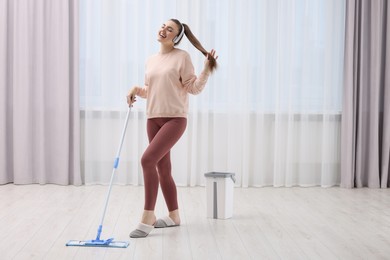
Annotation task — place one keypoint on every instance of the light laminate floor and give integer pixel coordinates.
(269, 223)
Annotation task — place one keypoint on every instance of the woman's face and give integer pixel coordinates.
(167, 32)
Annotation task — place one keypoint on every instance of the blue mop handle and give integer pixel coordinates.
(116, 163)
(100, 228)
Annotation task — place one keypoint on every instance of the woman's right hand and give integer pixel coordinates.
(131, 96)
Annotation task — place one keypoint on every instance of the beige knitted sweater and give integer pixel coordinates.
(169, 78)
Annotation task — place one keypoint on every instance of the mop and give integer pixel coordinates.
(97, 242)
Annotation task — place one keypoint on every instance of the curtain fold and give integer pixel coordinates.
(366, 119)
(271, 113)
(39, 115)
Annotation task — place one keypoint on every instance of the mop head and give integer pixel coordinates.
(98, 243)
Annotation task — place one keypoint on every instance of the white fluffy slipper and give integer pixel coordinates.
(142, 230)
(165, 222)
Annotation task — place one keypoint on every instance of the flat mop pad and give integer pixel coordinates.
(101, 243)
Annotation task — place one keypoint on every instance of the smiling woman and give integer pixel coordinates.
(169, 79)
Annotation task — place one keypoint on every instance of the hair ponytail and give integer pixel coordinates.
(212, 62)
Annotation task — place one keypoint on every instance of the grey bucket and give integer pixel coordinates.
(215, 208)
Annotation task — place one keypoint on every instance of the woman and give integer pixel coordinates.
(169, 78)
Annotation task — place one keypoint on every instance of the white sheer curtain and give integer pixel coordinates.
(270, 114)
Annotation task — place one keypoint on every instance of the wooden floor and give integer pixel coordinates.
(268, 223)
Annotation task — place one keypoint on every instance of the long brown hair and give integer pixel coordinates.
(212, 62)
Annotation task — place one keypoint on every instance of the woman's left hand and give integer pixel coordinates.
(211, 57)
(212, 54)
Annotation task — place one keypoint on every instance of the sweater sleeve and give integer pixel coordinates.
(191, 83)
(142, 92)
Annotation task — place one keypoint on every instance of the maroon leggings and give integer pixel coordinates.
(163, 133)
